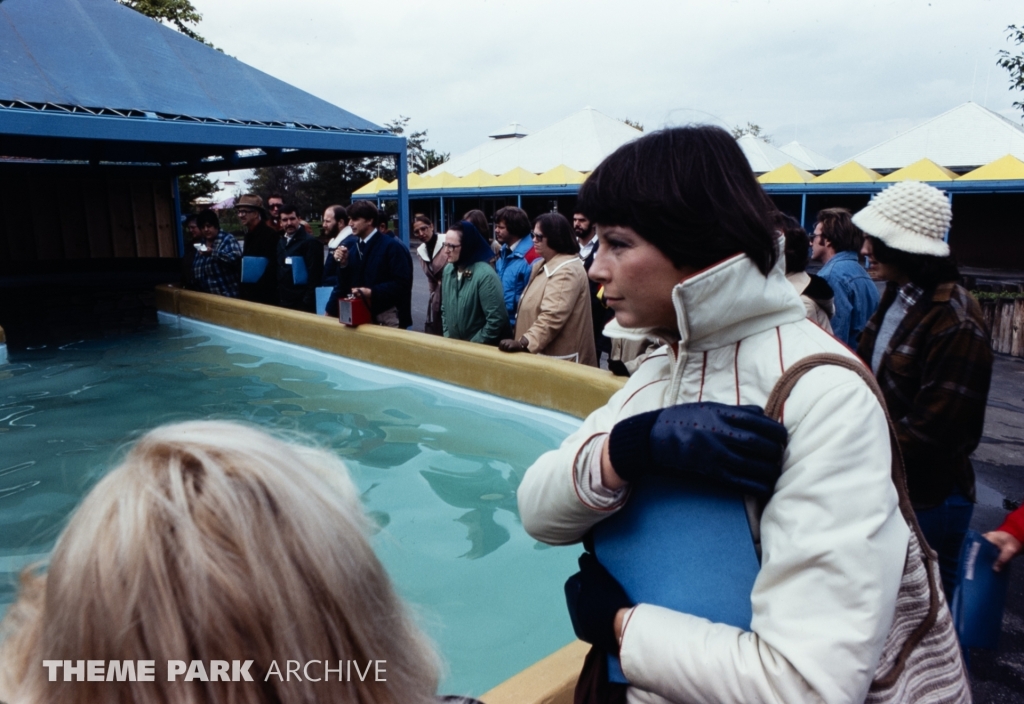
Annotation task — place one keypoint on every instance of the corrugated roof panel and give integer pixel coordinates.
(372, 187)
(561, 175)
(1007, 168)
(516, 177)
(850, 172)
(788, 173)
(101, 54)
(922, 170)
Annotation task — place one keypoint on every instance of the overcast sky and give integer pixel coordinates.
(837, 75)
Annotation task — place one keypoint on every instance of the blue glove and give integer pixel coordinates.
(594, 597)
(733, 446)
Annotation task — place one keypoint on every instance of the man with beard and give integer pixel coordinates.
(259, 251)
(586, 235)
(300, 263)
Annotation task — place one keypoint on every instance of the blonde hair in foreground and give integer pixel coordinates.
(215, 541)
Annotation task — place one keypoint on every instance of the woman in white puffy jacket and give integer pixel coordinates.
(687, 252)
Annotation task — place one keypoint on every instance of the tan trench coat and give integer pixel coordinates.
(433, 264)
(554, 312)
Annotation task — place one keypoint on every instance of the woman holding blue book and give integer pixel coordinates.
(681, 487)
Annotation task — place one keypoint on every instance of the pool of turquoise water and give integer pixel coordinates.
(438, 467)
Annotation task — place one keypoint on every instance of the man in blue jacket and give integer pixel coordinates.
(836, 244)
(375, 267)
(511, 229)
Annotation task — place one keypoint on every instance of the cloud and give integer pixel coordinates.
(839, 76)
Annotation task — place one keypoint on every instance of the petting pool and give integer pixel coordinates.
(438, 467)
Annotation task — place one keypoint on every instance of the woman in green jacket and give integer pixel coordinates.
(472, 302)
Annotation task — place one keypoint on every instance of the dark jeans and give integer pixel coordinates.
(944, 528)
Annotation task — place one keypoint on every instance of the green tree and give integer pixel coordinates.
(290, 181)
(332, 182)
(178, 13)
(194, 186)
(421, 159)
(632, 123)
(753, 130)
(1014, 64)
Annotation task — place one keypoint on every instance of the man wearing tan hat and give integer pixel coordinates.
(930, 350)
(259, 251)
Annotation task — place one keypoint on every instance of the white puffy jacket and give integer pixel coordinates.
(833, 540)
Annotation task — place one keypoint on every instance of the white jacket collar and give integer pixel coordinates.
(336, 240)
(429, 256)
(726, 303)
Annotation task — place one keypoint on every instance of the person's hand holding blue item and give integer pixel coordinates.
(735, 446)
(594, 597)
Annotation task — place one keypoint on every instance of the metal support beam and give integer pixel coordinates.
(803, 210)
(403, 197)
(177, 216)
(519, 200)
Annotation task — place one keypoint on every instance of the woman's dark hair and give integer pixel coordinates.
(208, 217)
(838, 228)
(690, 192)
(517, 222)
(479, 221)
(558, 233)
(923, 270)
(420, 217)
(797, 241)
(474, 247)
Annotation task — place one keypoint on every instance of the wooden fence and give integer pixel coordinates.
(1005, 318)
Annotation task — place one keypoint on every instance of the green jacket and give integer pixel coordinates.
(473, 308)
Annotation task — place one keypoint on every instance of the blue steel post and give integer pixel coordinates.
(519, 201)
(403, 195)
(803, 210)
(177, 216)
(443, 227)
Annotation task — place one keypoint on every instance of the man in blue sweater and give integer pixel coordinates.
(511, 227)
(836, 244)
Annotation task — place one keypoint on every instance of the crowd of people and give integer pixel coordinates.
(841, 420)
(523, 290)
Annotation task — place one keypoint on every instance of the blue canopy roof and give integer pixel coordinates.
(136, 91)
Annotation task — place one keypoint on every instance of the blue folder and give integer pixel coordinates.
(299, 275)
(253, 268)
(684, 546)
(323, 294)
(980, 594)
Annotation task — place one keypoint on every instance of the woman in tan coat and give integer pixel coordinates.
(554, 313)
(432, 257)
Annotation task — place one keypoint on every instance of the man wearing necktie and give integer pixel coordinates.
(375, 267)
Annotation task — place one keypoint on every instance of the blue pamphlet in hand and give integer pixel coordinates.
(253, 268)
(980, 593)
(684, 546)
(299, 275)
(323, 295)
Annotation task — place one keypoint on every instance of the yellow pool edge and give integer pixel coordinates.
(539, 381)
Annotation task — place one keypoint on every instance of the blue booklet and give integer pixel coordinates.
(253, 268)
(980, 594)
(323, 294)
(684, 546)
(299, 275)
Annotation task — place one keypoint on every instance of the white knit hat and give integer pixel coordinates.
(909, 216)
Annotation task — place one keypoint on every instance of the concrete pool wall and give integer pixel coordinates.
(538, 381)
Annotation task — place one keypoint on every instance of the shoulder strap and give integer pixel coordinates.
(773, 409)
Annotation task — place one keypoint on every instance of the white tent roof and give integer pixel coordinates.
(763, 157)
(817, 161)
(580, 141)
(965, 137)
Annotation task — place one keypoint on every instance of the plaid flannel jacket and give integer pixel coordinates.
(220, 271)
(935, 376)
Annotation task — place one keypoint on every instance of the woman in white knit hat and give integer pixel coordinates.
(929, 348)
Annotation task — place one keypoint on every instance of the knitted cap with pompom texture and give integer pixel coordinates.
(909, 216)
